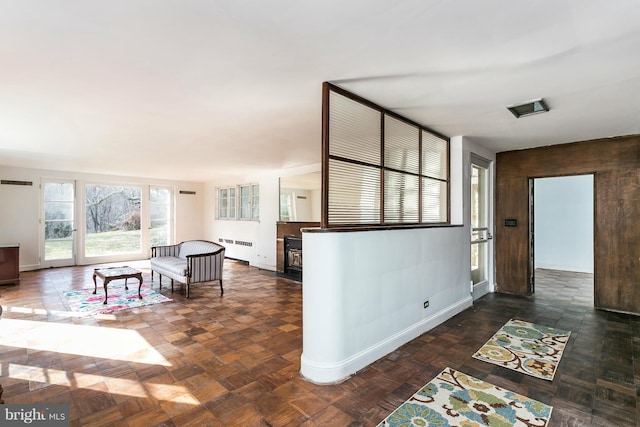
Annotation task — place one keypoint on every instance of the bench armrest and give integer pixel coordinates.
(205, 267)
(168, 250)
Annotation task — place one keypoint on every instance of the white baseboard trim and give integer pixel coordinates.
(30, 267)
(332, 373)
(481, 289)
(262, 266)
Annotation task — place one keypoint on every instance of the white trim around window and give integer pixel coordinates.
(240, 202)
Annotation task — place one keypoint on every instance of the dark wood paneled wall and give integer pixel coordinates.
(615, 163)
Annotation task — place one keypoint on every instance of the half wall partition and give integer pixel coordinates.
(386, 265)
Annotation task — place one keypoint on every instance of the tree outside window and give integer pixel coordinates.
(112, 219)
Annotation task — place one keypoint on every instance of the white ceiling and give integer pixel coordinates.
(196, 90)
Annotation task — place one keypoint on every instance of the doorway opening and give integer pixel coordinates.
(562, 233)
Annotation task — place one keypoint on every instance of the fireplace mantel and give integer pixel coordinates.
(289, 229)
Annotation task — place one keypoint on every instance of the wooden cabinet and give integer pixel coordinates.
(9, 264)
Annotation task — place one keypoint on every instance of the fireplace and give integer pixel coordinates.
(293, 257)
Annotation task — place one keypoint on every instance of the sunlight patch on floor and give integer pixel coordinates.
(92, 341)
(25, 310)
(42, 377)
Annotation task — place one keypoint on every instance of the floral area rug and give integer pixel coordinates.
(456, 399)
(84, 301)
(526, 347)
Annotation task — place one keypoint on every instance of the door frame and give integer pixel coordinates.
(65, 262)
(488, 285)
(532, 240)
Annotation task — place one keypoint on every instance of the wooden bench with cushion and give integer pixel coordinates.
(189, 262)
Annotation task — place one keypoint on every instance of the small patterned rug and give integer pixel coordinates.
(83, 301)
(526, 347)
(456, 399)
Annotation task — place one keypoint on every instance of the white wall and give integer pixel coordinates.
(20, 208)
(363, 293)
(189, 211)
(563, 223)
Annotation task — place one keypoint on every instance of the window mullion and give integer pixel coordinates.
(420, 176)
(382, 136)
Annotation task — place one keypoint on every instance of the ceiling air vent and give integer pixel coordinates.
(535, 106)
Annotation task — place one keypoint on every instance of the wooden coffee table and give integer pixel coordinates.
(115, 273)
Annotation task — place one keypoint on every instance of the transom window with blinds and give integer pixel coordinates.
(380, 168)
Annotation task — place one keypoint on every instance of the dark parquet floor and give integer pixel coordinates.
(235, 360)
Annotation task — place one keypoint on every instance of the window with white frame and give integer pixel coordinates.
(161, 208)
(255, 202)
(227, 203)
(249, 202)
(240, 202)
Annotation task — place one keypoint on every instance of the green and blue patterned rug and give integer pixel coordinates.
(85, 302)
(456, 399)
(526, 347)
